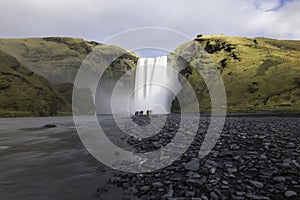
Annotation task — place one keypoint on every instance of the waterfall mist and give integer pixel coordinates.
(155, 85)
(151, 86)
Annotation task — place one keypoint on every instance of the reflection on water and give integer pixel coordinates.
(47, 163)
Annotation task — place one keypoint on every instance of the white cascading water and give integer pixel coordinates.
(155, 85)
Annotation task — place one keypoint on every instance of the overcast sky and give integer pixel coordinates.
(99, 19)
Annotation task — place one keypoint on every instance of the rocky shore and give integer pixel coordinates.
(255, 158)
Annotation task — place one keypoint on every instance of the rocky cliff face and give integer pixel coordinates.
(259, 74)
(23, 93)
(56, 61)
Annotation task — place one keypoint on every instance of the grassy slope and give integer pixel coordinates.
(58, 59)
(23, 93)
(263, 78)
(266, 77)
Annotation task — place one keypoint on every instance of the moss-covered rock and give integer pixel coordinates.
(23, 93)
(58, 59)
(261, 76)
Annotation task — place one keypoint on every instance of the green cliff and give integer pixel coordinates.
(259, 74)
(23, 93)
(54, 62)
(58, 58)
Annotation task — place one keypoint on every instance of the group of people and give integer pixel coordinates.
(148, 112)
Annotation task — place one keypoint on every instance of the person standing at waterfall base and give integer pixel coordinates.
(148, 112)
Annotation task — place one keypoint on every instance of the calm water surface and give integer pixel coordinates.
(47, 163)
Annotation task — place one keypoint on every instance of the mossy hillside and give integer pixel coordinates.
(116, 60)
(23, 93)
(65, 90)
(58, 58)
(256, 78)
(263, 77)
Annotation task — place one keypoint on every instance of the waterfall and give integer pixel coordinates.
(155, 85)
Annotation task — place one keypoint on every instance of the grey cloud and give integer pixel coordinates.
(99, 19)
